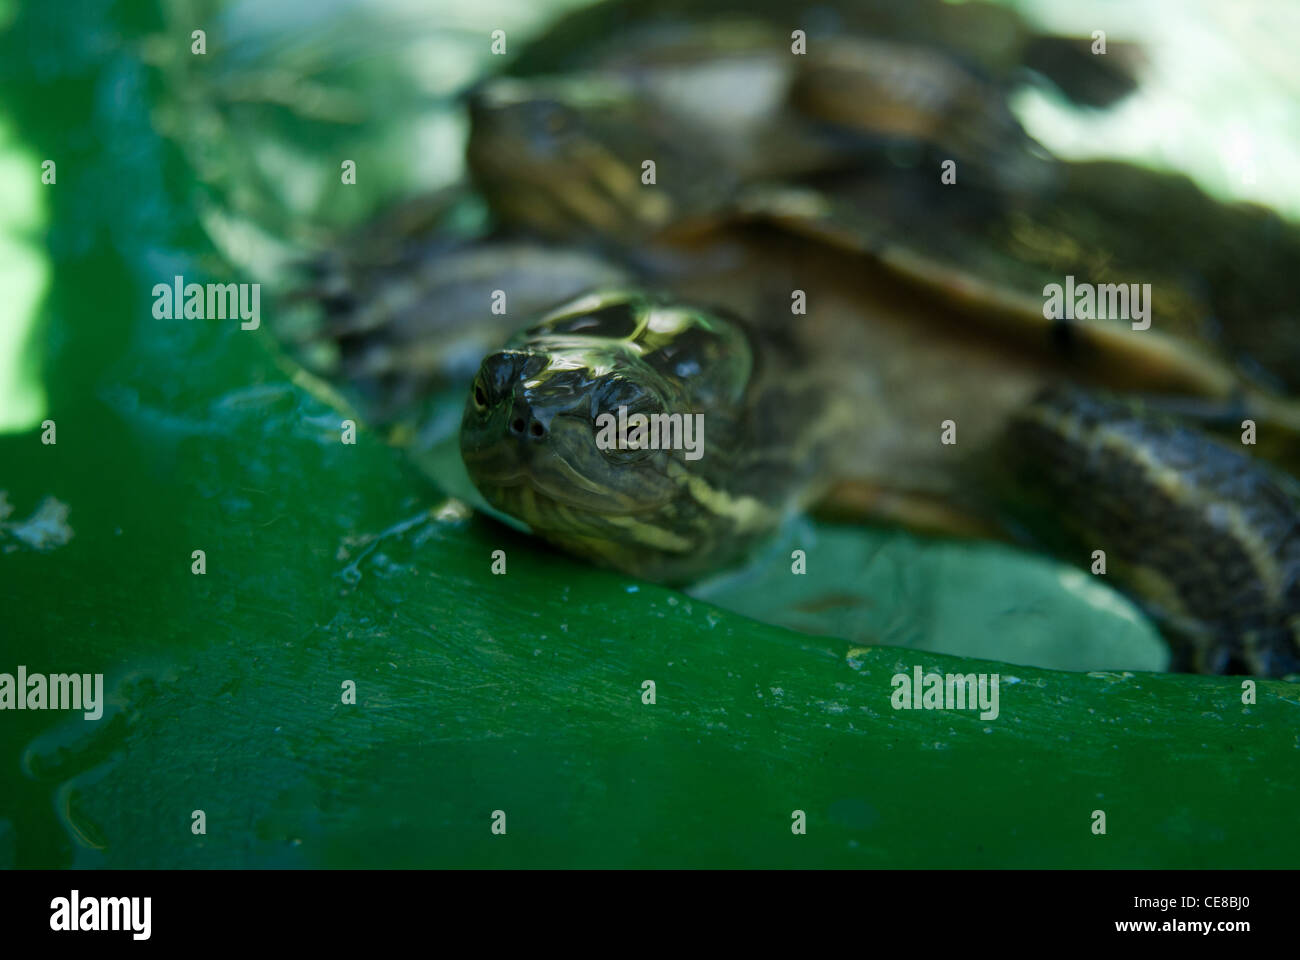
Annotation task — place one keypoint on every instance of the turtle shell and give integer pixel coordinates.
(934, 181)
(988, 37)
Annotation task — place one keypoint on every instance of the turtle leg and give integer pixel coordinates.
(1204, 536)
(389, 324)
(1271, 422)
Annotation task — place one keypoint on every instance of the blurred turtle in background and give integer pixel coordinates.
(843, 325)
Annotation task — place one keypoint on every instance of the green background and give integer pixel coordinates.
(328, 562)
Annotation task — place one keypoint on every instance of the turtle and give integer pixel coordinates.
(990, 38)
(881, 76)
(653, 89)
(828, 333)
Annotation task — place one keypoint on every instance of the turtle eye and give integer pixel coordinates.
(619, 398)
(556, 120)
(627, 449)
(499, 372)
(627, 455)
(616, 391)
(551, 123)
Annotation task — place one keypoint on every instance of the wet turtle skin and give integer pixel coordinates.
(1205, 535)
(924, 310)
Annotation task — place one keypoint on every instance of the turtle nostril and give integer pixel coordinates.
(517, 425)
(536, 429)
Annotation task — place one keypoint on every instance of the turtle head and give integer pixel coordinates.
(566, 155)
(603, 425)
